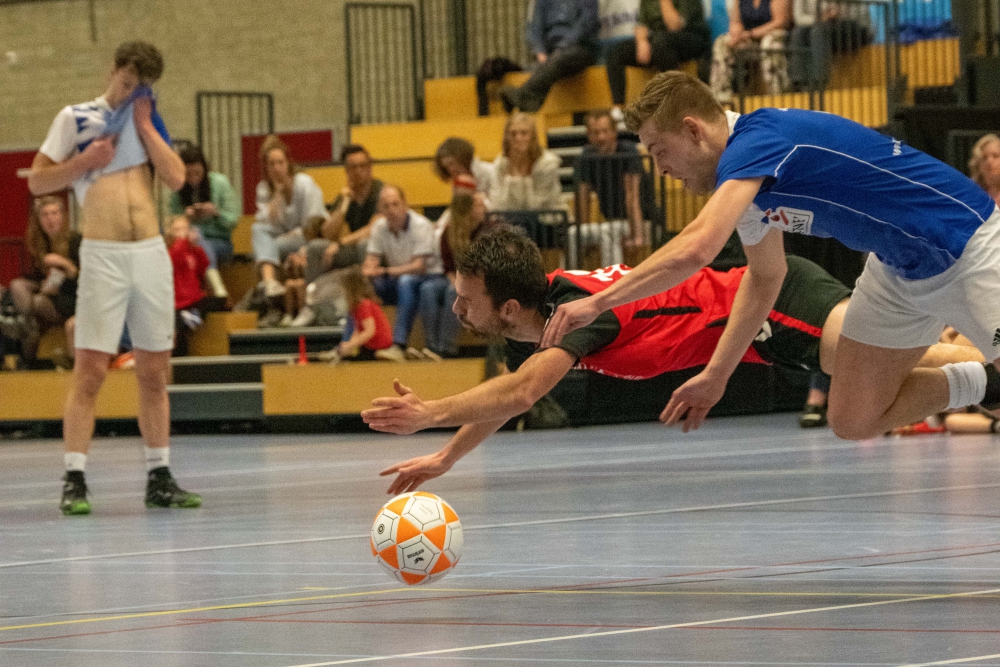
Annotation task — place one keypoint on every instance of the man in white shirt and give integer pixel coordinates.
(103, 150)
(400, 255)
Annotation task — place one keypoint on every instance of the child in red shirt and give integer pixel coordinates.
(367, 334)
(190, 262)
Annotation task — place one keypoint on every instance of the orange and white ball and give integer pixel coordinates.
(417, 537)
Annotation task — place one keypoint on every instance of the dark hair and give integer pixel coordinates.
(146, 58)
(510, 265)
(460, 149)
(351, 149)
(203, 191)
(597, 114)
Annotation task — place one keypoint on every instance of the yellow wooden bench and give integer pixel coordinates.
(212, 337)
(420, 139)
(40, 395)
(350, 387)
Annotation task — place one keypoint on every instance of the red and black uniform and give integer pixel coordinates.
(680, 328)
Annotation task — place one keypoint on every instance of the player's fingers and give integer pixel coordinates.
(553, 329)
(391, 470)
(694, 419)
(677, 413)
(387, 402)
(401, 388)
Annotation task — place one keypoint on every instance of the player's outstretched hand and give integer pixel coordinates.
(568, 317)
(411, 474)
(692, 400)
(403, 415)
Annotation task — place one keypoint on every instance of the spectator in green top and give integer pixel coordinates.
(209, 202)
(667, 33)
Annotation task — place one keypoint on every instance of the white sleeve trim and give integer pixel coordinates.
(750, 228)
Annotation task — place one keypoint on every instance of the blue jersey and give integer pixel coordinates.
(829, 176)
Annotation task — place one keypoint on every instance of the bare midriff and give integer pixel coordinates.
(119, 207)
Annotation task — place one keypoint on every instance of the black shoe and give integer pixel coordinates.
(991, 401)
(162, 491)
(74, 495)
(813, 416)
(508, 97)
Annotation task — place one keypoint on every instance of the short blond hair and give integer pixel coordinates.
(976, 160)
(668, 98)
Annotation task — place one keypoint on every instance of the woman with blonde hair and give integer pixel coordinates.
(287, 200)
(526, 176)
(46, 295)
(984, 165)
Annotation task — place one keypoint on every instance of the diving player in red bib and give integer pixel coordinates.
(503, 291)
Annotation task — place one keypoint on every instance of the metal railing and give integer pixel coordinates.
(223, 117)
(385, 68)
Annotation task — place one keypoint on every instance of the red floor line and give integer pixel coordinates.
(96, 633)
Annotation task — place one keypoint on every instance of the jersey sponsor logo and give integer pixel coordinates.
(794, 220)
(996, 338)
(605, 275)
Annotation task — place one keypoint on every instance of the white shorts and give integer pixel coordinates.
(125, 282)
(893, 312)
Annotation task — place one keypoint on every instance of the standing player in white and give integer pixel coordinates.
(104, 150)
(934, 236)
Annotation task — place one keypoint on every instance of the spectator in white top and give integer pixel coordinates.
(400, 257)
(287, 200)
(526, 176)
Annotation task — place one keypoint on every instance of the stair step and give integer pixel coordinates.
(283, 340)
(217, 401)
(226, 369)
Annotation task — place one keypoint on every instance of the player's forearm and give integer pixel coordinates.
(669, 266)
(753, 303)
(498, 399)
(43, 180)
(168, 164)
(468, 438)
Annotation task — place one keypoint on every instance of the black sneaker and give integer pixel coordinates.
(74, 495)
(813, 416)
(991, 401)
(162, 491)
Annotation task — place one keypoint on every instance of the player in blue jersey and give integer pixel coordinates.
(933, 235)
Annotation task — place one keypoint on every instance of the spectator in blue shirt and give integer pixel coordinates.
(563, 36)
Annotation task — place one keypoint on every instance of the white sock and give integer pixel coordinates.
(157, 457)
(75, 461)
(966, 383)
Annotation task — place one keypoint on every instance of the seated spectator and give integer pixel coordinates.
(466, 220)
(617, 23)
(526, 177)
(339, 241)
(563, 36)
(400, 255)
(457, 157)
(190, 262)
(287, 200)
(209, 202)
(612, 169)
(984, 166)
(819, 34)
(367, 335)
(753, 24)
(667, 34)
(46, 296)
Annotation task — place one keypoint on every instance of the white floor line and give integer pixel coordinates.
(628, 631)
(955, 661)
(517, 524)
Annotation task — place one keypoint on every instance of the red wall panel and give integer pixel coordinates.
(15, 203)
(306, 147)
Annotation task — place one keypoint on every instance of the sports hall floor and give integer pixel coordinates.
(750, 542)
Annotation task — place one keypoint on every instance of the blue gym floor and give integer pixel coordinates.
(749, 542)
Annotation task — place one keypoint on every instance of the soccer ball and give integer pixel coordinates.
(417, 537)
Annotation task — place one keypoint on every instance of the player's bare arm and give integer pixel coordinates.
(411, 474)
(758, 290)
(501, 398)
(168, 164)
(691, 250)
(47, 175)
